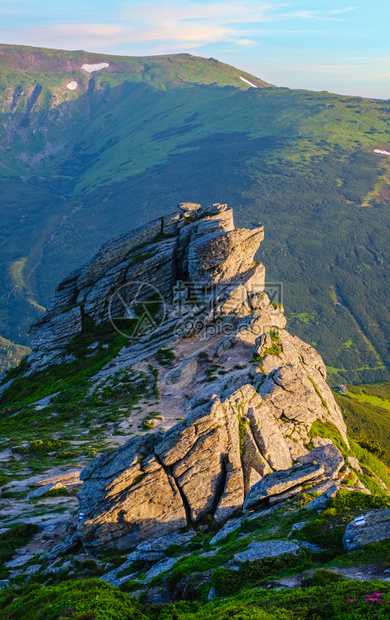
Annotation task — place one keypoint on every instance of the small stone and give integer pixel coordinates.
(309, 546)
(354, 463)
(159, 568)
(20, 560)
(65, 546)
(212, 594)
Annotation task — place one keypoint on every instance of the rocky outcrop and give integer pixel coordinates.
(195, 245)
(238, 394)
(203, 465)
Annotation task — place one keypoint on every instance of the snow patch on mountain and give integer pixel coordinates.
(247, 82)
(97, 67)
(72, 85)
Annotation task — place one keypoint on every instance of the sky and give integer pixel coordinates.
(340, 46)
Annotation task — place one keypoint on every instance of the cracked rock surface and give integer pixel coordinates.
(245, 400)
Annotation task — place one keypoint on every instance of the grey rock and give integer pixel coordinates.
(230, 526)
(318, 503)
(320, 441)
(354, 463)
(146, 556)
(4, 583)
(44, 402)
(52, 334)
(296, 386)
(298, 526)
(209, 554)
(5, 386)
(376, 528)
(282, 497)
(124, 579)
(111, 576)
(160, 568)
(31, 570)
(242, 428)
(310, 546)
(212, 594)
(144, 493)
(188, 206)
(280, 482)
(66, 546)
(162, 543)
(67, 479)
(19, 561)
(267, 549)
(217, 254)
(269, 437)
(209, 248)
(329, 456)
(182, 373)
(41, 491)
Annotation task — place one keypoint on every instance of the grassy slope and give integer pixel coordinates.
(149, 132)
(366, 409)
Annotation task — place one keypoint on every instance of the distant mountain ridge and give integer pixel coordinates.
(84, 163)
(167, 67)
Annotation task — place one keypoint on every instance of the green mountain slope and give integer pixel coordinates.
(80, 166)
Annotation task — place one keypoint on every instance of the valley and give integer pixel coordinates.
(80, 166)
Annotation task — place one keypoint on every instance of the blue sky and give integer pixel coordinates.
(336, 45)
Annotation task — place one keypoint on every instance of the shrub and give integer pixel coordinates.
(227, 582)
(89, 599)
(322, 577)
(147, 426)
(57, 492)
(165, 356)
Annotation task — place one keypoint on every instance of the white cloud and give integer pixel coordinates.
(346, 10)
(246, 42)
(175, 25)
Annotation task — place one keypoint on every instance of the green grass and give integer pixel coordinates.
(92, 599)
(74, 409)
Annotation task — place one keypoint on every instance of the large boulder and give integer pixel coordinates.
(371, 528)
(321, 465)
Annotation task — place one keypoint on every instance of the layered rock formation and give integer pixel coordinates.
(194, 245)
(246, 391)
